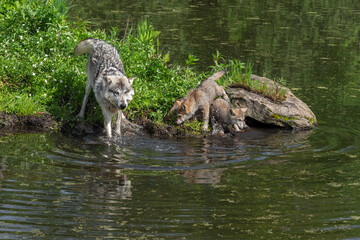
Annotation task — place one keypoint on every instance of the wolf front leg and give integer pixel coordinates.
(107, 122)
(119, 122)
(206, 117)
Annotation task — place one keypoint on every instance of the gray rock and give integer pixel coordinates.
(292, 113)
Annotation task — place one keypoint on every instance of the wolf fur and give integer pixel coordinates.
(201, 98)
(223, 116)
(106, 75)
(172, 114)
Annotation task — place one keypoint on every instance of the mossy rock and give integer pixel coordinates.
(292, 113)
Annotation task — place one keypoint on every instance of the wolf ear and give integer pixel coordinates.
(107, 79)
(232, 112)
(131, 80)
(243, 110)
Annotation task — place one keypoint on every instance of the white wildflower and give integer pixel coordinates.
(21, 37)
(33, 74)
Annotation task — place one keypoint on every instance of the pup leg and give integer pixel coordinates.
(206, 117)
(216, 127)
(87, 92)
(118, 122)
(225, 96)
(107, 122)
(236, 127)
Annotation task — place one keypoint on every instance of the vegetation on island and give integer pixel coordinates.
(40, 74)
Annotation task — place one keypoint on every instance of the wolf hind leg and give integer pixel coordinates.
(87, 92)
(225, 96)
(206, 117)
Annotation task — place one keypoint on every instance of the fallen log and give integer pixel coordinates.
(290, 113)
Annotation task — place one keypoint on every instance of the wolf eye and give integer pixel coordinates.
(115, 93)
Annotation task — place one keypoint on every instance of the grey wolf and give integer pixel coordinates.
(223, 117)
(200, 98)
(106, 75)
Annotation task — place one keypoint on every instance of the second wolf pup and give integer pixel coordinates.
(223, 117)
(200, 98)
(106, 75)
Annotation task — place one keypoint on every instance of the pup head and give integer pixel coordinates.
(119, 90)
(237, 117)
(184, 113)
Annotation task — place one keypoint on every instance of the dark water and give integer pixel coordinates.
(262, 184)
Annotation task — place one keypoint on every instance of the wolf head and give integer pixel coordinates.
(119, 90)
(185, 112)
(237, 117)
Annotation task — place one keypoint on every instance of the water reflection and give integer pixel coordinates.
(60, 186)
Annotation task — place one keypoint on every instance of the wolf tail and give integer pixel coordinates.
(217, 75)
(85, 46)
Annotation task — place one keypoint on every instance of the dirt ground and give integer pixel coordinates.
(12, 123)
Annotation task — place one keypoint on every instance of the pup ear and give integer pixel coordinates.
(131, 80)
(232, 112)
(108, 79)
(243, 110)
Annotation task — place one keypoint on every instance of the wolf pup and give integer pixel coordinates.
(200, 98)
(106, 75)
(223, 116)
(172, 114)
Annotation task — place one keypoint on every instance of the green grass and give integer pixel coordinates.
(20, 104)
(239, 75)
(39, 72)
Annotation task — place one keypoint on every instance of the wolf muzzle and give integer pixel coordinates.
(122, 106)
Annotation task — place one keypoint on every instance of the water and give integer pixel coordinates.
(267, 184)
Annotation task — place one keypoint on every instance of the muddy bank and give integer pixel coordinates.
(12, 123)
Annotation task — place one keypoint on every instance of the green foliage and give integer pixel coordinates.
(194, 126)
(21, 104)
(239, 75)
(36, 55)
(39, 72)
(191, 60)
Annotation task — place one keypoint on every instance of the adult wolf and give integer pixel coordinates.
(106, 75)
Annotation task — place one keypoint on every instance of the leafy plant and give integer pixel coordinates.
(191, 60)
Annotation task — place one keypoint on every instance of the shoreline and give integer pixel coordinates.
(11, 123)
